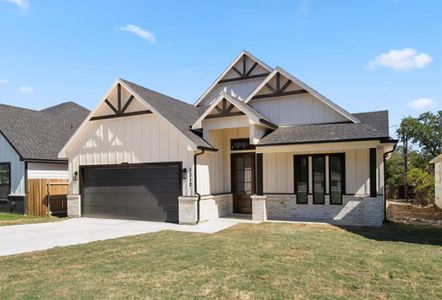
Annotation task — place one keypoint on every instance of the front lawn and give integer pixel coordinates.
(246, 261)
(15, 219)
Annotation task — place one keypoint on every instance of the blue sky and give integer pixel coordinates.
(363, 55)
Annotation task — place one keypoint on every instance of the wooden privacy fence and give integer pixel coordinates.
(46, 197)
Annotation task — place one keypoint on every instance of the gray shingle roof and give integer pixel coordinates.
(374, 125)
(40, 134)
(182, 115)
(376, 119)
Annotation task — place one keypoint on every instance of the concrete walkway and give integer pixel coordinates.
(17, 239)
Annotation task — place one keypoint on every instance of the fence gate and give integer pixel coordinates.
(46, 197)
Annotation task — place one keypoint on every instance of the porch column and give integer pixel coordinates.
(259, 174)
(259, 210)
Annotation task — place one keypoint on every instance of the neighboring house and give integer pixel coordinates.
(29, 144)
(258, 141)
(437, 161)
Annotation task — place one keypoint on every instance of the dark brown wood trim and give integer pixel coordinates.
(127, 103)
(373, 191)
(111, 106)
(259, 174)
(244, 78)
(135, 113)
(279, 94)
(224, 115)
(119, 96)
(251, 69)
(286, 85)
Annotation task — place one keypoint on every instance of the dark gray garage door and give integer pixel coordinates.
(133, 191)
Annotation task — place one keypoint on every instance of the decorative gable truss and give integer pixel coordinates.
(279, 86)
(238, 80)
(281, 83)
(245, 68)
(119, 103)
(226, 106)
(224, 109)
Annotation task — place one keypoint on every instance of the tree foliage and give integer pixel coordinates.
(423, 183)
(424, 131)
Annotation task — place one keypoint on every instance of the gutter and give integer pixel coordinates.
(384, 158)
(195, 172)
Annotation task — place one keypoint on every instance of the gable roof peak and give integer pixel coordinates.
(230, 67)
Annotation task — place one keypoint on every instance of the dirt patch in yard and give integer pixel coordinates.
(410, 213)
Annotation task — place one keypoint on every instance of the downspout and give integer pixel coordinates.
(203, 150)
(384, 158)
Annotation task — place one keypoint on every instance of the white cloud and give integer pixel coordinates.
(144, 34)
(26, 90)
(22, 4)
(401, 59)
(422, 104)
(4, 81)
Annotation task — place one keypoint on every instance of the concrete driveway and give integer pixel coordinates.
(17, 239)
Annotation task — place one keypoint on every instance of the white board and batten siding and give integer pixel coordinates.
(47, 171)
(136, 139)
(9, 155)
(296, 110)
(238, 90)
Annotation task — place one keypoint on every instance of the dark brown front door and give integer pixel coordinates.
(243, 181)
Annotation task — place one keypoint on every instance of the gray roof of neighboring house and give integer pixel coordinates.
(40, 135)
(374, 125)
(182, 115)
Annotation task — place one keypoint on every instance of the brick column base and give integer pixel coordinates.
(259, 211)
(74, 206)
(187, 210)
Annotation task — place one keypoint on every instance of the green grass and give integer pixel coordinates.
(15, 219)
(247, 261)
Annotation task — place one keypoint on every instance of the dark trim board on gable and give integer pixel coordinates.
(244, 73)
(120, 111)
(120, 115)
(279, 94)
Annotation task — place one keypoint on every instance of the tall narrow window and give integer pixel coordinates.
(318, 163)
(5, 181)
(301, 179)
(337, 178)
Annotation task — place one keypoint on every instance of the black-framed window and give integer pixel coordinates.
(301, 179)
(5, 180)
(336, 177)
(318, 170)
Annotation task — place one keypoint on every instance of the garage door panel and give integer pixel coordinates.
(147, 191)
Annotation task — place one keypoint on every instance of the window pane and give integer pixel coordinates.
(4, 174)
(301, 179)
(336, 179)
(318, 179)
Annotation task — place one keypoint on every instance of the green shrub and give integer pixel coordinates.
(423, 183)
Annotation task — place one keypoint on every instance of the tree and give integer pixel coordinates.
(424, 131)
(423, 184)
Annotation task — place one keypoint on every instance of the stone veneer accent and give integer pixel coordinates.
(74, 206)
(211, 207)
(355, 210)
(187, 209)
(259, 210)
